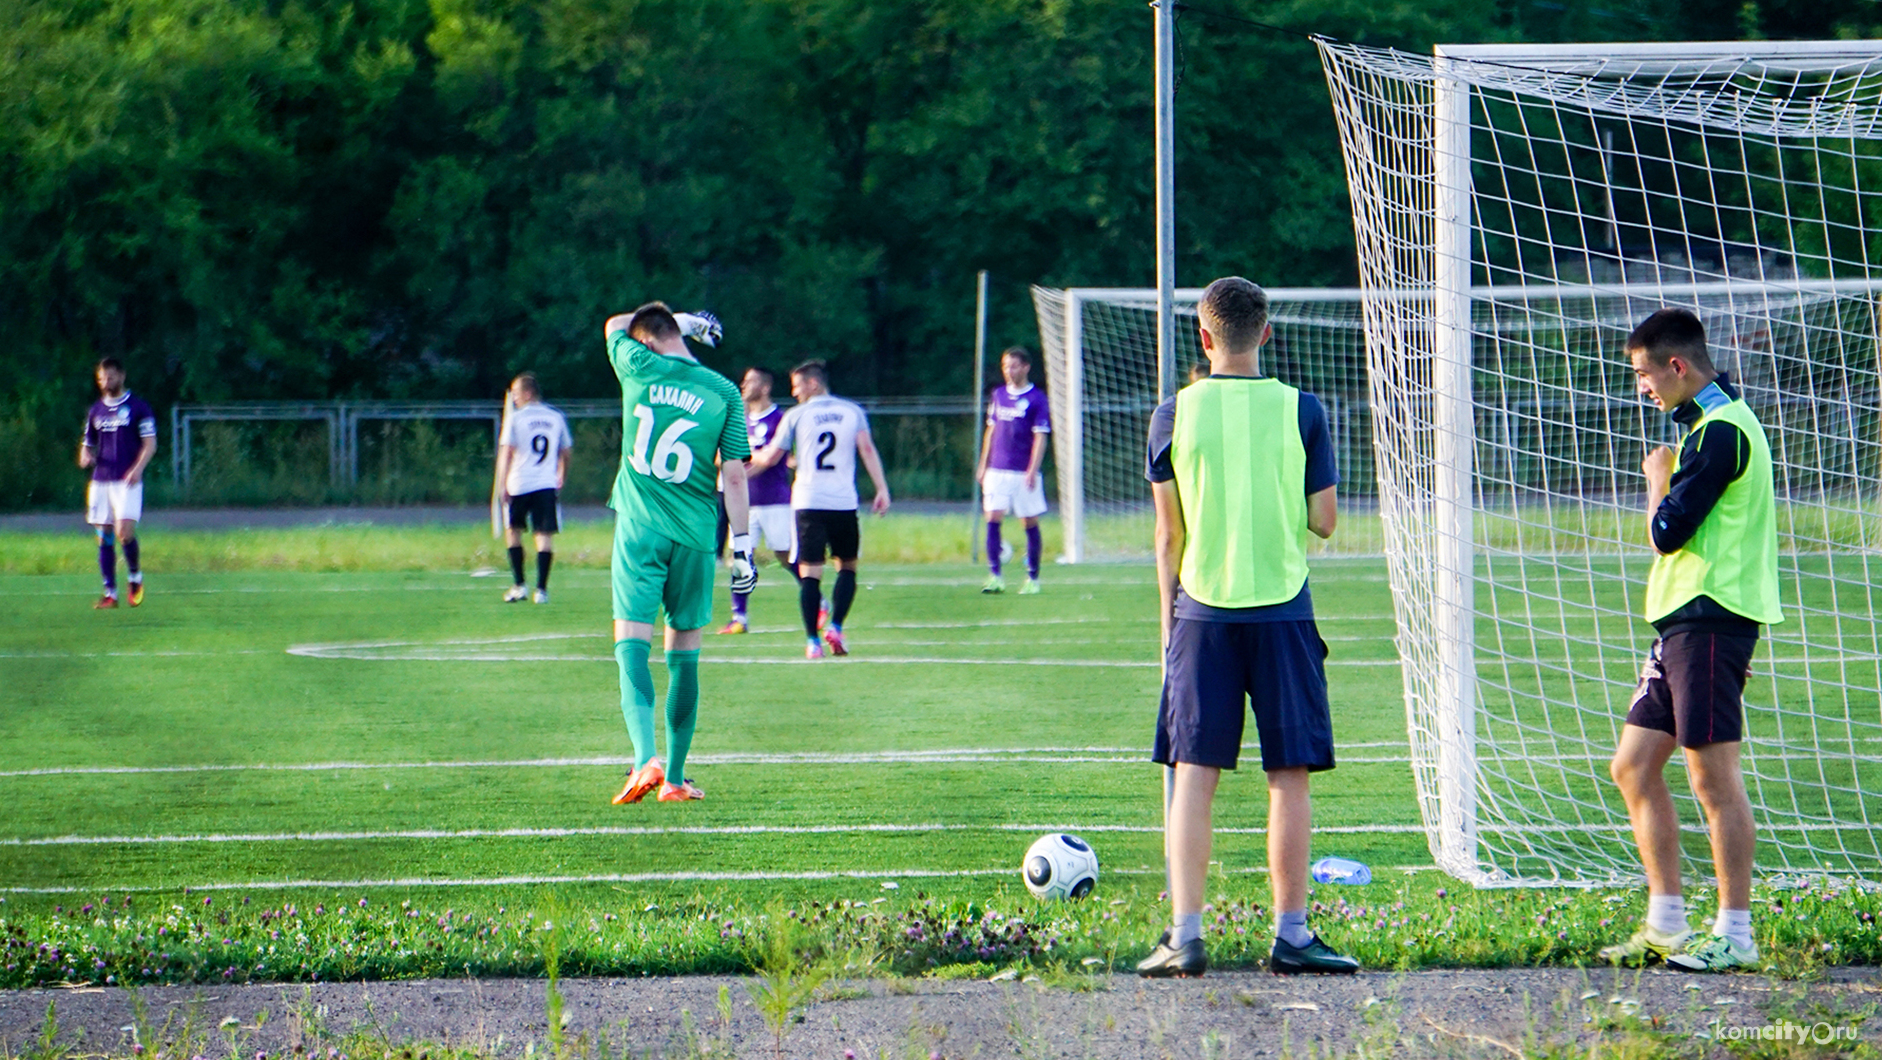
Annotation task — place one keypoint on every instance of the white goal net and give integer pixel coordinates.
(1518, 210)
(1100, 348)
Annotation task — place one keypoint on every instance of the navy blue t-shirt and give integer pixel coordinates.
(1321, 473)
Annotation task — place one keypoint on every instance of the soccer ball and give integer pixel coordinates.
(1060, 866)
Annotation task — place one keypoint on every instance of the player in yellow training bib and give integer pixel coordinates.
(682, 424)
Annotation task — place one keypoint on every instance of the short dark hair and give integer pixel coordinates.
(1199, 371)
(770, 377)
(1018, 353)
(1234, 310)
(1670, 333)
(110, 362)
(653, 321)
(527, 380)
(815, 369)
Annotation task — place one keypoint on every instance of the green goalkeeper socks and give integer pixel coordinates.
(682, 709)
(637, 695)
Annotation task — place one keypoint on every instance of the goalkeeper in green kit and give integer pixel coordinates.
(676, 416)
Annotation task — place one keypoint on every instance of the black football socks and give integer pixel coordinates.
(809, 602)
(842, 597)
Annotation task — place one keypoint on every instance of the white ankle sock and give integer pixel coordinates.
(1291, 927)
(1734, 924)
(1186, 929)
(1666, 913)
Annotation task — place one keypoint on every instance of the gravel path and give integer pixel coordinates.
(1449, 1013)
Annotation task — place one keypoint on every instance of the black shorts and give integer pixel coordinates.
(1213, 668)
(820, 530)
(1693, 687)
(539, 507)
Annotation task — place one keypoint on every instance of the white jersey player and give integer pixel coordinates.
(826, 435)
(533, 466)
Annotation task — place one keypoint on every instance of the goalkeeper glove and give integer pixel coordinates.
(700, 327)
(744, 571)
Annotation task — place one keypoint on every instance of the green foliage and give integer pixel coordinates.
(385, 198)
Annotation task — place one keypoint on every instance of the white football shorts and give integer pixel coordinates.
(108, 502)
(1005, 491)
(772, 527)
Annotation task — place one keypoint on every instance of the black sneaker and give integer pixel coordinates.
(1187, 961)
(1315, 957)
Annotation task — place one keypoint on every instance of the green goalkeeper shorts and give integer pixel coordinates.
(652, 574)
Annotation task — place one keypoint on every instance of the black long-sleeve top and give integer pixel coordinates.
(1710, 459)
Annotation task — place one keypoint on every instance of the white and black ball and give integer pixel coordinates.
(1060, 866)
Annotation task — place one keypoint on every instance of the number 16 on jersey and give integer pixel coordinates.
(671, 460)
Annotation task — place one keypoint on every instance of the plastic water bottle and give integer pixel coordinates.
(1341, 870)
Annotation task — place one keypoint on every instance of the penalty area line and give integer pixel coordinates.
(1100, 755)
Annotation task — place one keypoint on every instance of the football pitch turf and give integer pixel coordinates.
(287, 730)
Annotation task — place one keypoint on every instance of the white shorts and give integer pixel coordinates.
(773, 527)
(108, 502)
(1005, 491)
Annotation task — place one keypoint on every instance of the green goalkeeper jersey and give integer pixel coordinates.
(676, 414)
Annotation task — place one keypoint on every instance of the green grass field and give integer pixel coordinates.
(314, 725)
(395, 743)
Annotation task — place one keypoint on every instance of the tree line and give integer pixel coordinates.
(317, 199)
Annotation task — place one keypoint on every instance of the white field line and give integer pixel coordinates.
(946, 756)
(468, 651)
(127, 654)
(1616, 828)
(654, 830)
(1103, 755)
(595, 580)
(634, 877)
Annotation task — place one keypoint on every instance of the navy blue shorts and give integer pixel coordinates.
(1213, 668)
(1692, 687)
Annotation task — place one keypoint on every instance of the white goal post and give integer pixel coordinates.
(1100, 352)
(1517, 209)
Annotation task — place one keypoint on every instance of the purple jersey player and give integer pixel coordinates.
(770, 489)
(120, 438)
(1017, 425)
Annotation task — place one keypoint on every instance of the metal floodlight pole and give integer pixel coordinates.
(176, 450)
(1166, 197)
(1166, 259)
(980, 413)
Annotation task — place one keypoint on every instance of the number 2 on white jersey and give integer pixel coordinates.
(671, 462)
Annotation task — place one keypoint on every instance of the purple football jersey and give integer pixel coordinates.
(773, 484)
(1015, 418)
(115, 433)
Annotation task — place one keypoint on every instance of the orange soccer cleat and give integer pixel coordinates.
(105, 602)
(641, 781)
(685, 792)
(737, 625)
(137, 593)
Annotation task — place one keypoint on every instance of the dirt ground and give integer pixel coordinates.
(1445, 1013)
